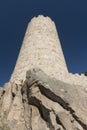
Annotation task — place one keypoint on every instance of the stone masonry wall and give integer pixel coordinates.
(41, 48)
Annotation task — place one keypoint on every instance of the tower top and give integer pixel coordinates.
(40, 48)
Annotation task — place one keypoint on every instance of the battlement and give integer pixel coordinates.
(41, 48)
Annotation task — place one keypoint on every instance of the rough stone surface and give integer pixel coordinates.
(42, 103)
(47, 97)
(41, 48)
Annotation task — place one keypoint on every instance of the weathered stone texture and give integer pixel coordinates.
(42, 103)
(41, 48)
(47, 97)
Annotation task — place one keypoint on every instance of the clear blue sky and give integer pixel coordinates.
(70, 17)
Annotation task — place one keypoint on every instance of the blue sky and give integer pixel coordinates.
(70, 17)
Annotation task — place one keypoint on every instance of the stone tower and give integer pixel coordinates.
(41, 48)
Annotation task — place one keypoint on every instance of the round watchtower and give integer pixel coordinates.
(41, 48)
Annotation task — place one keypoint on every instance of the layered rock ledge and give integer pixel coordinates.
(42, 103)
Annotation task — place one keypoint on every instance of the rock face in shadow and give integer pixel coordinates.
(42, 103)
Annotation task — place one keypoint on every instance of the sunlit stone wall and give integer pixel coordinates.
(41, 48)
